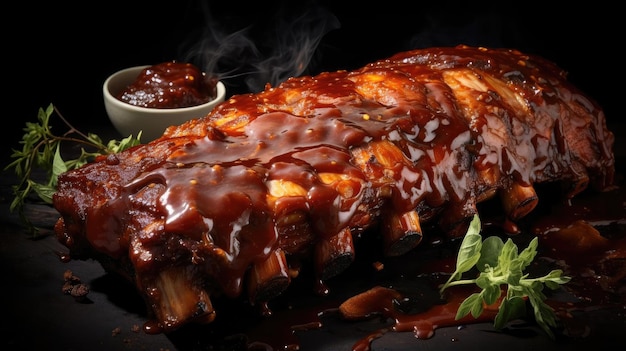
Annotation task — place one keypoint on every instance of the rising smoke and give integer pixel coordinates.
(265, 50)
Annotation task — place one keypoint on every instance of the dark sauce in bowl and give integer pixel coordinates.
(170, 85)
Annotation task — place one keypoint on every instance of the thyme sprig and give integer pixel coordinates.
(41, 153)
(500, 264)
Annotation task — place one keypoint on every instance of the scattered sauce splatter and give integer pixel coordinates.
(586, 238)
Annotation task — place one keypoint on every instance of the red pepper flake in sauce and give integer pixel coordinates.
(170, 85)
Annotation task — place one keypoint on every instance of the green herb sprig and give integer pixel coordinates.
(500, 264)
(41, 150)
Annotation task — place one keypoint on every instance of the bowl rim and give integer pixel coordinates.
(221, 93)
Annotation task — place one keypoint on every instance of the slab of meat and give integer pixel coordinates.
(232, 203)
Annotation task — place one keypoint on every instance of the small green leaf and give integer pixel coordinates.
(510, 309)
(469, 251)
(490, 250)
(477, 307)
(472, 304)
(515, 272)
(468, 254)
(124, 144)
(484, 280)
(491, 294)
(95, 139)
(544, 314)
(44, 192)
(528, 254)
(507, 255)
(47, 114)
(58, 164)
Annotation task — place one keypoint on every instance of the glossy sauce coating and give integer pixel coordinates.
(428, 130)
(170, 85)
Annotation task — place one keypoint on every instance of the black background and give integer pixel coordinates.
(61, 53)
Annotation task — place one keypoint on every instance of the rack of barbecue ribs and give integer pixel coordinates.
(232, 203)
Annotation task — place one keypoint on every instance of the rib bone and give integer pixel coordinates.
(180, 299)
(269, 278)
(334, 255)
(402, 233)
(518, 200)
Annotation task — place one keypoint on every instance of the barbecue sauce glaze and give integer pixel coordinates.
(170, 85)
(461, 122)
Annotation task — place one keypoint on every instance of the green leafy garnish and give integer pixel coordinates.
(500, 264)
(39, 162)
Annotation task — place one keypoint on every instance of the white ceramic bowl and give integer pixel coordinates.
(130, 119)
